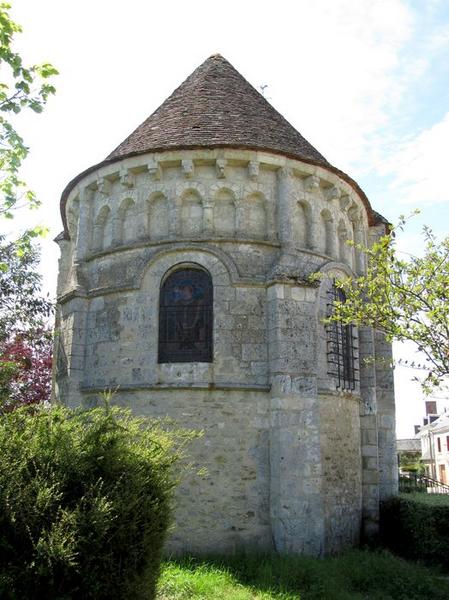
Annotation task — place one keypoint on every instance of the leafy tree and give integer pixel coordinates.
(22, 87)
(25, 340)
(22, 306)
(25, 347)
(25, 369)
(405, 298)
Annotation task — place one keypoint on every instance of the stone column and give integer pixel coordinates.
(386, 421)
(369, 436)
(82, 243)
(296, 512)
(285, 189)
(70, 344)
(208, 217)
(240, 225)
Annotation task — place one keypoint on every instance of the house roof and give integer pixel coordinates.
(408, 445)
(215, 107)
(440, 424)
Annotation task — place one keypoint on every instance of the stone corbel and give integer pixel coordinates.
(127, 178)
(220, 166)
(311, 183)
(253, 170)
(332, 193)
(154, 169)
(188, 168)
(345, 200)
(103, 186)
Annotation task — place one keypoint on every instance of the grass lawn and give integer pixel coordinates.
(355, 575)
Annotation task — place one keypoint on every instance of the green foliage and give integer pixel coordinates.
(22, 308)
(22, 87)
(85, 502)
(410, 461)
(355, 575)
(406, 299)
(25, 339)
(416, 526)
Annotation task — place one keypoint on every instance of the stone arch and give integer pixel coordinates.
(224, 212)
(330, 271)
(223, 273)
(158, 216)
(191, 213)
(102, 232)
(220, 265)
(231, 187)
(127, 222)
(256, 215)
(303, 224)
(327, 233)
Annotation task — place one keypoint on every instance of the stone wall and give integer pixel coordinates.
(227, 509)
(341, 469)
(292, 463)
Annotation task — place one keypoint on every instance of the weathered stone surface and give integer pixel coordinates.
(294, 462)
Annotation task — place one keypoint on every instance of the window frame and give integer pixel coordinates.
(342, 351)
(187, 317)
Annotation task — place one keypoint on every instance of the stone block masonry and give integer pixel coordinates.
(297, 449)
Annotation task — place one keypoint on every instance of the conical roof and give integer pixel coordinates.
(216, 107)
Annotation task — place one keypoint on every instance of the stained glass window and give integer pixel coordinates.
(186, 317)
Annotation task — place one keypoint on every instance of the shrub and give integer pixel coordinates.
(85, 500)
(416, 526)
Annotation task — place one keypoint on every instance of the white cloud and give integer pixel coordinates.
(418, 166)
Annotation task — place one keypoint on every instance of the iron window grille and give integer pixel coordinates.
(342, 351)
(186, 317)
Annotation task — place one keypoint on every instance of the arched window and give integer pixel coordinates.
(186, 317)
(341, 348)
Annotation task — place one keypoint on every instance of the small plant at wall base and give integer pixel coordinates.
(406, 299)
(85, 502)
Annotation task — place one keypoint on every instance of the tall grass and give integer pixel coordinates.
(356, 575)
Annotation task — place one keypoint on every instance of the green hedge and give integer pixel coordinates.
(85, 499)
(416, 526)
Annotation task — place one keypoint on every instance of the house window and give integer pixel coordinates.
(341, 346)
(186, 317)
(439, 444)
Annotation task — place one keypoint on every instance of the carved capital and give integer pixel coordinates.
(311, 183)
(332, 193)
(345, 200)
(354, 212)
(220, 166)
(188, 168)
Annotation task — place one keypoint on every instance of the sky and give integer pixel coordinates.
(365, 81)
